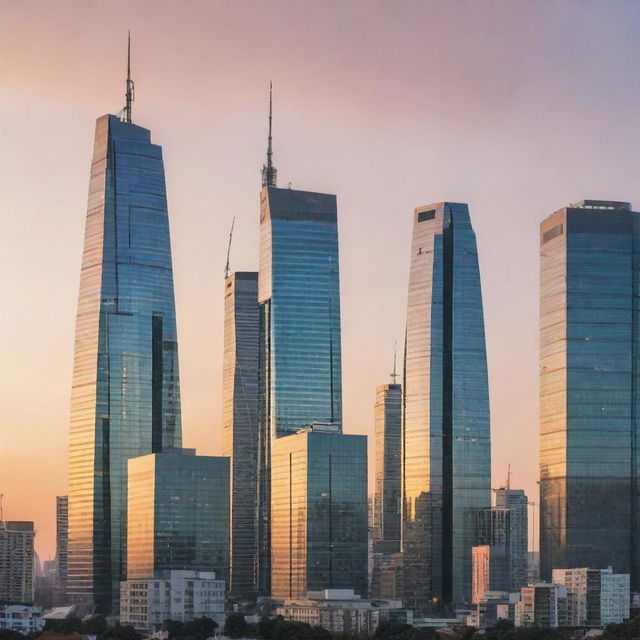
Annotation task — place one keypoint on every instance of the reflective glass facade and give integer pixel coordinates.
(589, 410)
(178, 507)
(517, 502)
(240, 425)
(446, 458)
(125, 399)
(388, 414)
(319, 513)
(300, 368)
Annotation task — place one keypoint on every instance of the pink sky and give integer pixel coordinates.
(513, 106)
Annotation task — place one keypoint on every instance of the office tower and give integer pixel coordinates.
(589, 381)
(240, 425)
(595, 597)
(300, 372)
(178, 506)
(62, 541)
(125, 398)
(319, 512)
(16, 561)
(388, 415)
(491, 559)
(542, 605)
(446, 443)
(518, 504)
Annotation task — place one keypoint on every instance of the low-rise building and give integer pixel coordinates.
(342, 611)
(494, 606)
(595, 597)
(178, 595)
(25, 618)
(542, 604)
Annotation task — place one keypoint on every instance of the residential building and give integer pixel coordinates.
(62, 546)
(172, 595)
(490, 570)
(240, 425)
(446, 462)
(178, 506)
(494, 606)
(542, 604)
(595, 597)
(589, 427)
(518, 504)
(386, 571)
(23, 617)
(125, 398)
(319, 512)
(17, 561)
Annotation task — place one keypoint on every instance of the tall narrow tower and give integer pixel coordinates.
(446, 464)
(125, 398)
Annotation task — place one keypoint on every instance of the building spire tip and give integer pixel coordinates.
(130, 91)
(269, 172)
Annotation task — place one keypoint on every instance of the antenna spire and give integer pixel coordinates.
(269, 172)
(227, 271)
(130, 94)
(394, 375)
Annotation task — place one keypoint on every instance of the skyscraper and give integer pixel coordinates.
(300, 369)
(446, 462)
(240, 425)
(178, 506)
(62, 543)
(518, 504)
(125, 399)
(589, 382)
(16, 561)
(319, 512)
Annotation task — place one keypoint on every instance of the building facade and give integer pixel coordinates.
(518, 504)
(543, 605)
(595, 597)
(174, 595)
(62, 545)
(319, 513)
(446, 465)
(388, 489)
(300, 346)
(589, 381)
(25, 618)
(178, 506)
(125, 399)
(240, 425)
(16, 561)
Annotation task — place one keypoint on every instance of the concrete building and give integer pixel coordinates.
(491, 558)
(386, 571)
(542, 604)
(16, 561)
(175, 595)
(25, 618)
(518, 504)
(341, 611)
(494, 606)
(595, 597)
(62, 549)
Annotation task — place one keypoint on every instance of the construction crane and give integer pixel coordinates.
(227, 271)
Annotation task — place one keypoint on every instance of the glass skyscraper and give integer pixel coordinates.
(240, 425)
(319, 512)
(125, 399)
(517, 502)
(446, 463)
(178, 506)
(589, 388)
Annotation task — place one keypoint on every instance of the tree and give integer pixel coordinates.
(199, 628)
(120, 633)
(66, 625)
(235, 625)
(95, 625)
(10, 634)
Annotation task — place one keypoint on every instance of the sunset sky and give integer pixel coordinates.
(516, 107)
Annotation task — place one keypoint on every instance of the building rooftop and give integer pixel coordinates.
(607, 205)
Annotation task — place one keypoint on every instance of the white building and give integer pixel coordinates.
(24, 618)
(542, 604)
(595, 597)
(342, 611)
(179, 595)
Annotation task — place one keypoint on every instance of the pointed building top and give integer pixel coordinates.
(394, 375)
(130, 92)
(269, 172)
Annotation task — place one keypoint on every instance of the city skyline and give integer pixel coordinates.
(27, 476)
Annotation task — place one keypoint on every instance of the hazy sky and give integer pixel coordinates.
(516, 107)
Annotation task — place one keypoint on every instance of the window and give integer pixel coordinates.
(552, 233)
(426, 215)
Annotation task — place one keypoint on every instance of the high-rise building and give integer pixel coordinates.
(16, 561)
(178, 506)
(388, 415)
(491, 559)
(589, 384)
(300, 372)
(319, 512)
(62, 542)
(125, 398)
(518, 504)
(446, 463)
(542, 605)
(240, 425)
(595, 597)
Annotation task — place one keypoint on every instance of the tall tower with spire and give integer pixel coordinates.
(269, 172)
(125, 397)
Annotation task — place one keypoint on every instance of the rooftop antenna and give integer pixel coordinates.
(508, 476)
(227, 271)
(130, 94)
(394, 375)
(1, 512)
(269, 172)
